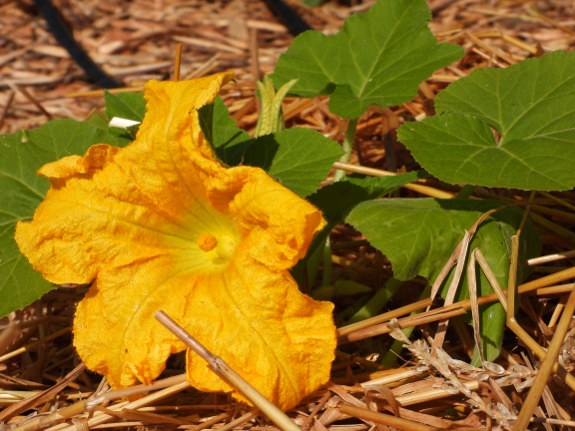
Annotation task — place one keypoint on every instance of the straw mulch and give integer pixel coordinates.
(40, 372)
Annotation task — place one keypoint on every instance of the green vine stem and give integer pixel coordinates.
(326, 279)
(347, 147)
(339, 175)
(377, 302)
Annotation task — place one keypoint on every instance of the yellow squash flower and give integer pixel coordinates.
(161, 224)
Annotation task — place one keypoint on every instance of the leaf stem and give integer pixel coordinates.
(378, 301)
(347, 147)
(326, 278)
(338, 176)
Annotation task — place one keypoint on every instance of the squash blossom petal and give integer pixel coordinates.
(161, 224)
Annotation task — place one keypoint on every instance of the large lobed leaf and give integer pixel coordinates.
(379, 58)
(130, 106)
(21, 155)
(419, 235)
(531, 105)
(228, 141)
(336, 201)
(298, 158)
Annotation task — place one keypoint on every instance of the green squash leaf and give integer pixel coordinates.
(379, 58)
(21, 155)
(298, 158)
(419, 235)
(130, 106)
(118, 137)
(531, 105)
(99, 122)
(337, 199)
(119, 106)
(227, 140)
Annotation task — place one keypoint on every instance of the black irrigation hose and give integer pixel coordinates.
(58, 28)
(294, 23)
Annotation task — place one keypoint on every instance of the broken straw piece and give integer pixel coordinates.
(218, 366)
(122, 123)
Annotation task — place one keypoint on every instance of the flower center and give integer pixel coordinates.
(218, 249)
(207, 242)
(207, 239)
